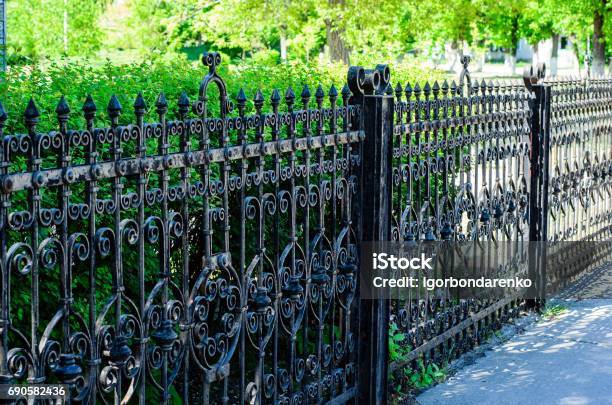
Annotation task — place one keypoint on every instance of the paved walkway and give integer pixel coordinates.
(566, 361)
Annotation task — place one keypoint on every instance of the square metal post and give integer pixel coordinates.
(539, 181)
(377, 124)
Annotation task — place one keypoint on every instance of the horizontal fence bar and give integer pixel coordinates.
(471, 320)
(148, 164)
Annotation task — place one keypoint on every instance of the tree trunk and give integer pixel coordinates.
(511, 62)
(511, 54)
(65, 27)
(576, 53)
(599, 40)
(283, 46)
(457, 54)
(554, 54)
(338, 50)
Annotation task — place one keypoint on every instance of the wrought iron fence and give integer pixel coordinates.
(579, 167)
(220, 251)
(461, 173)
(215, 259)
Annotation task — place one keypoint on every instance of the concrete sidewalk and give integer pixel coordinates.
(566, 360)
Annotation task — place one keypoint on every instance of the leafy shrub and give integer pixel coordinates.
(170, 74)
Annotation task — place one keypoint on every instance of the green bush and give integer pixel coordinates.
(170, 74)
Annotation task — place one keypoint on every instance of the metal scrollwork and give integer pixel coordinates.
(212, 256)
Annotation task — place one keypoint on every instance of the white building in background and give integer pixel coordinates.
(566, 59)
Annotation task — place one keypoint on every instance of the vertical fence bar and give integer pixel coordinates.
(368, 87)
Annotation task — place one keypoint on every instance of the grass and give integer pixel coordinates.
(551, 311)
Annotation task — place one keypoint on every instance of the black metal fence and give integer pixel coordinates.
(215, 259)
(579, 168)
(461, 173)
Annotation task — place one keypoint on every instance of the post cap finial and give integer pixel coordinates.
(212, 60)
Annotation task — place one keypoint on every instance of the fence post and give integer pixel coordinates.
(376, 120)
(539, 175)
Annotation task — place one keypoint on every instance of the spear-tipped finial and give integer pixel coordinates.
(333, 93)
(389, 89)
(114, 107)
(408, 90)
(346, 92)
(258, 100)
(319, 94)
(31, 113)
(436, 88)
(398, 91)
(161, 104)
(241, 97)
(89, 107)
(289, 95)
(483, 85)
(62, 107)
(183, 103)
(275, 97)
(140, 105)
(445, 87)
(305, 93)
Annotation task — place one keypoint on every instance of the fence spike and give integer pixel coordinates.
(346, 92)
(241, 97)
(398, 91)
(319, 94)
(89, 106)
(289, 95)
(62, 107)
(483, 86)
(408, 91)
(139, 103)
(436, 88)
(161, 104)
(114, 107)
(275, 97)
(333, 93)
(258, 100)
(183, 103)
(444, 87)
(31, 111)
(475, 86)
(305, 94)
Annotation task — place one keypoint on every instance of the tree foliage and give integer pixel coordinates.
(270, 30)
(35, 28)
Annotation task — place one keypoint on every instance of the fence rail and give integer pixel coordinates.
(215, 259)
